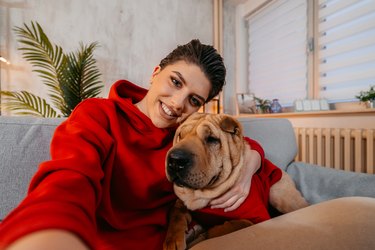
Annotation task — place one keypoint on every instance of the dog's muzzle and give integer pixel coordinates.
(179, 163)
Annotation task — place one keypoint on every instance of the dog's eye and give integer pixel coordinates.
(212, 140)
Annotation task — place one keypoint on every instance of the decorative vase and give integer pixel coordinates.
(371, 104)
(275, 106)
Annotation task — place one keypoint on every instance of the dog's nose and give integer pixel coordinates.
(179, 160)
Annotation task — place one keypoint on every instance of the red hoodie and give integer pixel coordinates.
(106, 179)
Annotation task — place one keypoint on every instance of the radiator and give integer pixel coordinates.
(345, 149)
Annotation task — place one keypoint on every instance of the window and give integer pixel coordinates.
(311, 49)
(277, 51)
(346, 44)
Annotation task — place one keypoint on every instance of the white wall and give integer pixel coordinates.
(134, 35)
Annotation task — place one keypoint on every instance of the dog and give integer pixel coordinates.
(204, 162)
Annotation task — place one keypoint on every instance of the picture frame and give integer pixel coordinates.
(298, 106)
(311, 105)
(315, 105)
(324, 104)
(306, 105)
(246, 103)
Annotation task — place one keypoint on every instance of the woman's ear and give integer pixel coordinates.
(156, 71)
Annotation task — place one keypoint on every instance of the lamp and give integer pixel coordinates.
(4, 60)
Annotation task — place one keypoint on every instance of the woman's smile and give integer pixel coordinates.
(168, 111)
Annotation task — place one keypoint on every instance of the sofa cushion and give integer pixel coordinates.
(319, 184)
(276, 135)
(24, 144)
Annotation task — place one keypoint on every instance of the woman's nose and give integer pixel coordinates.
(178, 101)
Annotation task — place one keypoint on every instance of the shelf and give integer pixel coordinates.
(360, 112)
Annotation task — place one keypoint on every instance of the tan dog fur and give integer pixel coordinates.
(205, 161)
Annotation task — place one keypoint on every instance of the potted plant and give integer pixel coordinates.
(263, 105)
(367, 97)
(70, 78)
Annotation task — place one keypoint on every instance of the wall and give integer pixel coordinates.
(133, 35)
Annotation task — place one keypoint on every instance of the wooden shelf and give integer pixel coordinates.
(361, 112)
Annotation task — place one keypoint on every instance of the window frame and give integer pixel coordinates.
(243, 11)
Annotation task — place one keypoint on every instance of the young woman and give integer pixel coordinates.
(105, 185)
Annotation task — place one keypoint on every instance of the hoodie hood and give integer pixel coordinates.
(126, 94)
(123, 89)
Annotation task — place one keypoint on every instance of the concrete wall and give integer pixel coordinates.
(134, 35)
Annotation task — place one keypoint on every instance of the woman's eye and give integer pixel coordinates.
(195, 102)
(176, 82)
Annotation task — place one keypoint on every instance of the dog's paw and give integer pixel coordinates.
(175, 243)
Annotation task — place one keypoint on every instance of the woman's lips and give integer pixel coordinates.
(166, 110)
(169, 113)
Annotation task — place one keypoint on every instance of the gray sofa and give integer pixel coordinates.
(24, 143)
(316, 183)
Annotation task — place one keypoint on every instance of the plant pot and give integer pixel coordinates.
(370, 104)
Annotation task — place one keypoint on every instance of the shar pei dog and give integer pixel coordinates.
(206, 159)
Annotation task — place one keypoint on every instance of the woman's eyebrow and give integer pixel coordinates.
(183, 80)
(180, 76)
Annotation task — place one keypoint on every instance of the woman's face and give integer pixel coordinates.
(176, 92)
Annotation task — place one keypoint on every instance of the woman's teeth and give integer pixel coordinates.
(166, 109)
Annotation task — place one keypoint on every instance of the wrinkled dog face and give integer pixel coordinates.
(206, 148)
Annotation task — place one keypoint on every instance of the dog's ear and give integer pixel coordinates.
(230, 125)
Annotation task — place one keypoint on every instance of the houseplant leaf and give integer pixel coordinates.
(81, 76)
(26, 103)
(70, 78)
(48, 61)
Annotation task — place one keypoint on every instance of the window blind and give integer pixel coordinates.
(278, 51)
(346, 45)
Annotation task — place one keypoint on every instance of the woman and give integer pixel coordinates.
(105, 185)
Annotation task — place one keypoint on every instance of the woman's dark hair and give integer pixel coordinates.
(204, 56)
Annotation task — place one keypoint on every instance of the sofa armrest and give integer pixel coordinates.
(275, 135)
(345, 223)
(24, 143)
(317, 183)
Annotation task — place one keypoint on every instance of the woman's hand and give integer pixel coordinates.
(235, 196)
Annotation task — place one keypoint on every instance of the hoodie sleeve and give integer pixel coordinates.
(255, 146)
(65, 191)
(268, 172)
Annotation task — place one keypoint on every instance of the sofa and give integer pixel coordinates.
(24, 143)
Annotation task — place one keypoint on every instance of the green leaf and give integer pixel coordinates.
(26, 103)
(48, 60)
(70, 78)
(81, 76)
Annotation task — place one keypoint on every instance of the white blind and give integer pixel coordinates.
(278, 51)
(346, 48)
